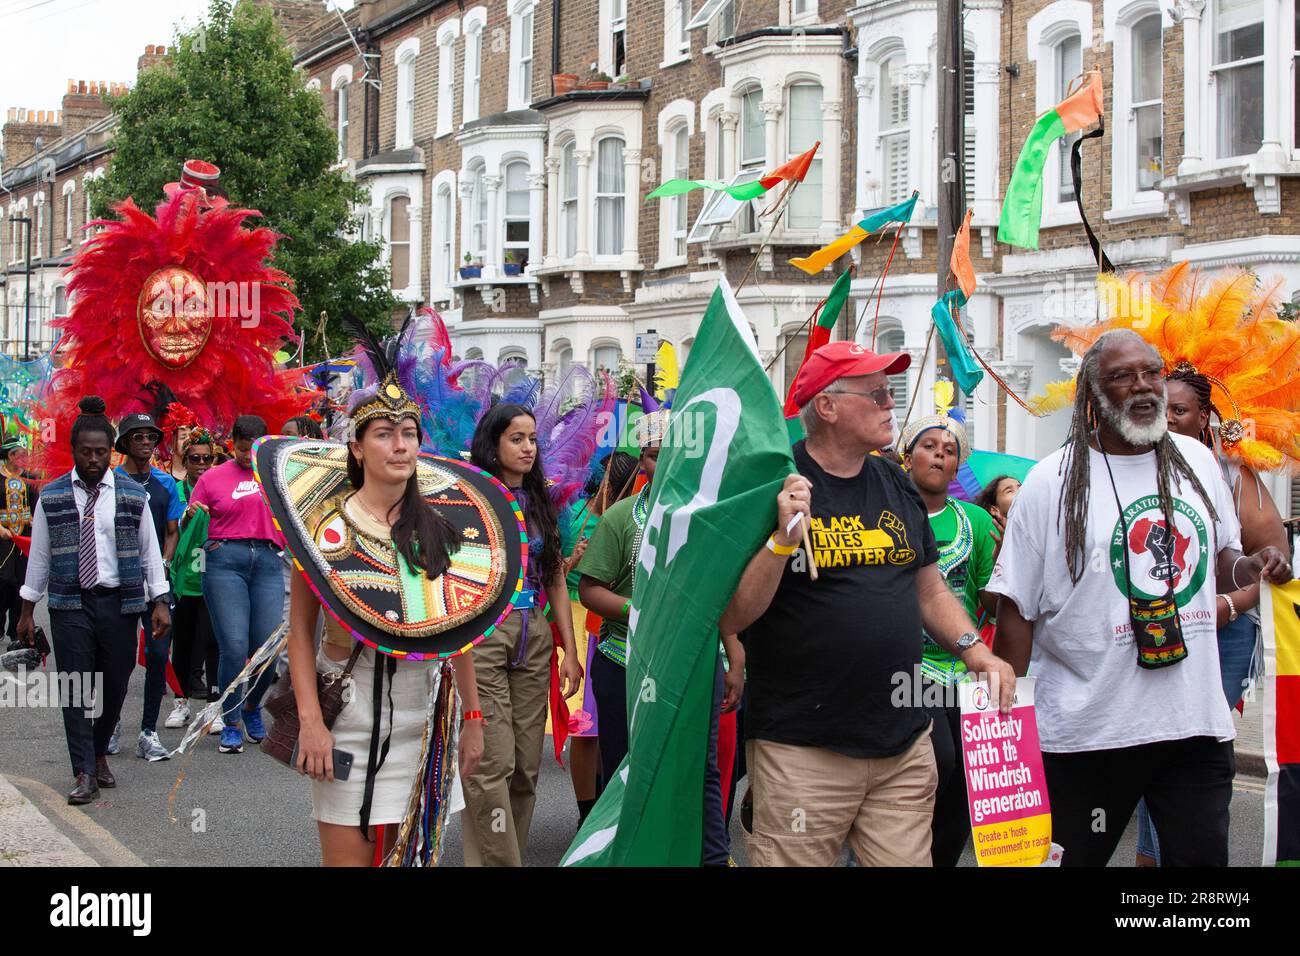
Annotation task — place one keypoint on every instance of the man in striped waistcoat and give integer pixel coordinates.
(95, 548)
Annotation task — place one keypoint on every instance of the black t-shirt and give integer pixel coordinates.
(159, 499)
(821, 661)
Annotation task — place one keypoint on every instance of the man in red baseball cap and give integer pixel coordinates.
(837, 732)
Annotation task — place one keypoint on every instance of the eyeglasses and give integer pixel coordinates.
(878, 395)
(1128, 377)
(199, 459)
(142, 437)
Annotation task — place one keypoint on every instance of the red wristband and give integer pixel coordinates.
(473, 715)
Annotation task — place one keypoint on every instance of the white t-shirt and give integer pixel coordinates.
(1091, 694)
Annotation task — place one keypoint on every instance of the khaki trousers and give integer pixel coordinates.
(808, 801)
(500, 794)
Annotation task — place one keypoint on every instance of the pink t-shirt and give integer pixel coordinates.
(235, 505)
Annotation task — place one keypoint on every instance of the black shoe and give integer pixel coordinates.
(86, 791)
(103, 776)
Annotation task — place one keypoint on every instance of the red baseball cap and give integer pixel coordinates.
(837, 360)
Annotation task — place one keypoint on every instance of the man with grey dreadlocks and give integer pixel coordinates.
(1107, 579)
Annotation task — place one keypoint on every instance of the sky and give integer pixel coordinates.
(45, 43)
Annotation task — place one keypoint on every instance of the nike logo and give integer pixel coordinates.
(243, 490)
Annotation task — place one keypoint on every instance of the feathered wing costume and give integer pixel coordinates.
(1226, 329)
(185, 298)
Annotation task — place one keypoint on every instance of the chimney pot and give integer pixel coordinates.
(162, 51)
(72, 86)
(148, 50)
(81, 86)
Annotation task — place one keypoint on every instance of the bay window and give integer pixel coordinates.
(569, 201)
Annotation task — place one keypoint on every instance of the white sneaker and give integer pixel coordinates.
(180, 715)
(150, 747)
(217, 727)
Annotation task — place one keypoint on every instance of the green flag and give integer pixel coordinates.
(713, 502)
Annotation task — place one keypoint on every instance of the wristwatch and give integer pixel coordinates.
(967, 641)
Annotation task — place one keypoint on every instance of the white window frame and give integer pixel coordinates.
(677, 38)
(478, 204)
(407, 54)
(885, 137)
(475, 24)
(791, 150)
(604, 345)
(568, 201)
(1215, 69)
(1128, 200)
(442, 244)
(68, 193)
(720, 207)
(412, 267)
(520, 93)
(38, 214)
(85, 188)
(506, 244)
(1044, 31)
(448, 31)
(677, 116)
(798, 13)
(597, 196)
(340, 86)
(612, 22)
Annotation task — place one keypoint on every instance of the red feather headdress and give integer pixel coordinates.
(186, 298)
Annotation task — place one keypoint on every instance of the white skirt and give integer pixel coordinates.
(339, 801)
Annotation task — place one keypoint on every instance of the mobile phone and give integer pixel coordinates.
(342, 762)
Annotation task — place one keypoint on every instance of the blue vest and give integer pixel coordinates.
(65, 543)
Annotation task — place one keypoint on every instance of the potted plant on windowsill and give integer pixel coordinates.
(512, 268)
(624, 82)
(472, 268)
(564, 83)
(598, 81)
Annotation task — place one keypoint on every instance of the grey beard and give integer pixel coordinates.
(1120, 420)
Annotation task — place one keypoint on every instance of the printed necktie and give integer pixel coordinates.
(87, 562)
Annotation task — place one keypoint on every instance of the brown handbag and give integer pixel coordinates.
(282, 737)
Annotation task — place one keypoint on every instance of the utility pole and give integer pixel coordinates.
(952, 133)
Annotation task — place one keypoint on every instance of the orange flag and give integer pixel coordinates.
(795, 169)
(961, 266)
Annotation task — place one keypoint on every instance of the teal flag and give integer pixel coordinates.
(713, 503)
(966, 372)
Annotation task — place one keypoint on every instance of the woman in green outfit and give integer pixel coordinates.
(193, 645)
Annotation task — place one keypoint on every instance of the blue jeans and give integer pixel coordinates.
(1236, 652)
(243, 587)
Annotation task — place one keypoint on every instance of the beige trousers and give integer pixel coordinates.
(500, 794)
(808, 801)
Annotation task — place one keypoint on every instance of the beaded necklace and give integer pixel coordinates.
(956, 551)
(640, 512)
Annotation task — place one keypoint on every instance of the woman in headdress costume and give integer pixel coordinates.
(415, 559)
(1224, 350)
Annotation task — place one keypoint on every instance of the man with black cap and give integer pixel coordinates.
(18, 498)
(138, 438)
(831, 755)
(96, 549)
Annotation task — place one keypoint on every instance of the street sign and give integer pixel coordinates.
(647, 346)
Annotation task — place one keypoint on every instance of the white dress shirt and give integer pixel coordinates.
(151, 566)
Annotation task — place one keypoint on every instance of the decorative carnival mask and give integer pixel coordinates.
(173, 316)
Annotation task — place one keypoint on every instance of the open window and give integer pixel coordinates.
(721, 207)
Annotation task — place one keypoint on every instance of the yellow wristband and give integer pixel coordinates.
(780, 549)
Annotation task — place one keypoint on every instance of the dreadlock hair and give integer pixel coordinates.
(1075, 463)
(93, 419)
(1199, 384)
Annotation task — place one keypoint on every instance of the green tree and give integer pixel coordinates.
(228, 93)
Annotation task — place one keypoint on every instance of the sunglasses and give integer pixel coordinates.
(200, 459)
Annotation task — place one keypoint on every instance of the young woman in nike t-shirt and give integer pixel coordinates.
(243, 585)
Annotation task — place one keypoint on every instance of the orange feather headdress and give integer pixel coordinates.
(1226, 329)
